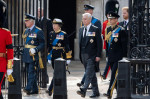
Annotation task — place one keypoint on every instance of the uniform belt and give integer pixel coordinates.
(58, 47)
(30, 46)
(3, 55)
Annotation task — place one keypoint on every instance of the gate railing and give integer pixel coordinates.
(15, 23)
(139, 47)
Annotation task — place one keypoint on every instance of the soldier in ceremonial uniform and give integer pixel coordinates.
(34, 43)
(116, 48)
(96, 22)
(90, 51)
(6, 48)
(111, 5)
(58, 46)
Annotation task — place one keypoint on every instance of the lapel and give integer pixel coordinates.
(121, 23)
(80, 34)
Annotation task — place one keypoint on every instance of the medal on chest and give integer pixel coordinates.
(59, 44)
(116, 39)
(91, 33)
(32, 42)
(91, 40)
(61, 37)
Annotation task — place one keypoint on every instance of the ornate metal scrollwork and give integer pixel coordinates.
(18, 50)
(140, 45)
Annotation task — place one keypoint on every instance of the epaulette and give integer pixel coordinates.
(94, 26)
(23, 35)
(122, 28)
(64, 32)
(5, 29)
(52, 32)
(48, 19)
(38, 28)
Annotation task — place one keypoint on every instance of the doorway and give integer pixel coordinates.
(67, 12)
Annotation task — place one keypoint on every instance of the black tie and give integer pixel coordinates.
(85, 30)
(125, 23)
(29, 30)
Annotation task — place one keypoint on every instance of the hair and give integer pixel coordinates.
(31, 20)
(87, 14)
(126, 8)
(60, 25)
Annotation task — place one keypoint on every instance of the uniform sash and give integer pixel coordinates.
(94, 21)
(54, 44)
(118, 29)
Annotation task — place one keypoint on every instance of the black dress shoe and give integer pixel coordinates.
(94, 95)
(82, 93)
(49, 92)
(26, 91)
(35, 92)
(107, 95)
(104, 77)
(79, 84)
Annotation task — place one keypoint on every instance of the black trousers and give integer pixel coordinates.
(90, 74)
(114, 67)
(1, 80)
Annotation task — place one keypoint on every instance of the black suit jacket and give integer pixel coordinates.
(93, 45)
(124, 26)
(48, 25)
(118, 47)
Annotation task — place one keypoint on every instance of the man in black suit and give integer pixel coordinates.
(40, 22)
(116, 48)
(96, 22)
(90, 44)
(125, 13)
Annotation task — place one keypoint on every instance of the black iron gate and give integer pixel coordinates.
(15, 23)
(139, 47)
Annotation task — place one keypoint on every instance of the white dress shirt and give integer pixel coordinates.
(88, 27)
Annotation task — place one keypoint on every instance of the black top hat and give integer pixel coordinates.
(112, 5)
(2, 8)
(2, 12)
(87, 7)
(112, 14)
(28, 17)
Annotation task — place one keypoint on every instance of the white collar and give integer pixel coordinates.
(41, 18)
(127, 20)
(32, 27)
(88, 27)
